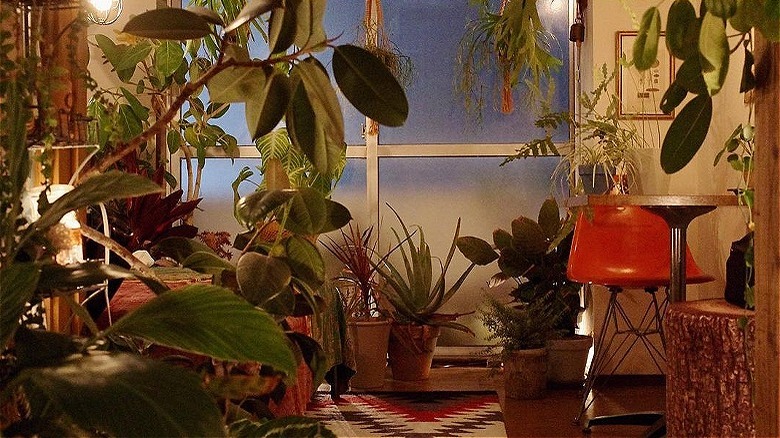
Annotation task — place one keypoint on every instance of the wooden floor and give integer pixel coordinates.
(551, 416)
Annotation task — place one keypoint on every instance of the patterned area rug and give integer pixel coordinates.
(411, 414)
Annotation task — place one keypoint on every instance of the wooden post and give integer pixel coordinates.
(767, 245)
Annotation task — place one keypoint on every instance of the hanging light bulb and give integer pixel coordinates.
(103, 12)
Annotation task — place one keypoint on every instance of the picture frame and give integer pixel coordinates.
(640, 93)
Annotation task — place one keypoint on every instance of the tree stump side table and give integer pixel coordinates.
(709, 368)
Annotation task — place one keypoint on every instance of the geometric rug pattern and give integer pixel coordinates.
(411, 414)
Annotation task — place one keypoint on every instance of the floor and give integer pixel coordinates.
(551, 416)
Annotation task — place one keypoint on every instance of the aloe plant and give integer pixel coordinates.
(415, 297)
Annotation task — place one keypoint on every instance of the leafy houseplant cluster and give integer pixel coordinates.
(41, 371)
(701, 42)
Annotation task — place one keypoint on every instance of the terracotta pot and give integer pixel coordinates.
(567, 358)
(370, 339)
(525, 373)
(410, 351)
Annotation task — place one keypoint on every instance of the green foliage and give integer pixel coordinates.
(535, 254)
(412, 292)
(520, 326)
(702, 43)
(512, 43)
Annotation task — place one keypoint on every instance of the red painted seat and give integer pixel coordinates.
(625, 246)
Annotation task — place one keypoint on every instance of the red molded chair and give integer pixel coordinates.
(624, 247)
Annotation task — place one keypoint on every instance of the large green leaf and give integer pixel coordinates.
(124, 58)
(207, 14)
(265, 111)
(714, 49)
(721, 8)
(281, 29)
(304, 259)
(140, 111)
(311, 213)
(168, 56)
(549, 218)
(645, 50)
(257, 206)
(308, 22)
(124, 395)
(262, 277)
(690, 78)
(308, 132)
(315, 80)
(251, 10)
(35, 348)
(528, 237)
(673, 97)
(18, 282)
(168, 24)
(208, 262)
(686, 134)
(682, 29)
(94, 190)
(56, 276)
(743, 19)
(476, 250)
(209, 320)
(369, 86)
(236, 84)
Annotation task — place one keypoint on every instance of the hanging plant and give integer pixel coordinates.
(514, 44)
(373, 37)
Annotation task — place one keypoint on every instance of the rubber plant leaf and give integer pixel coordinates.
(157, 399)
(18, 283)
(261, 278)
(266, 109)
(168, 24)
(304, 260)
(715, 55)
(281, 29)
(369, 86)
(236, 84)
(690, 78)
(721, 8)
(672, 98)
(743, 18)
(256, 206)
(645, 49)
(324, 102)
(308, 22)
(686, 134)
(477, 250)
(308, 132)
(251, 10)
(212, 321)
(682, 29)
(206, 14)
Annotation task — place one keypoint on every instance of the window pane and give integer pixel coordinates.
(429, 32)
(435, 192)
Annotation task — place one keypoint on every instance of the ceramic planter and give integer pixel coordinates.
(410, 351)
(525, 373)
(370, 339)
(567, 358)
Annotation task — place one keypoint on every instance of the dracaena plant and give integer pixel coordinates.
(415, 297)
(72, 385)
(534, 254)
(705, 47)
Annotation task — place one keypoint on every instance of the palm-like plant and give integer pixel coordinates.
(415, 297)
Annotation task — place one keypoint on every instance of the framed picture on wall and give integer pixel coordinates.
(640, 93)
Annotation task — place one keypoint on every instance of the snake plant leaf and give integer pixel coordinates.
(207, 14)
(715, 55)
(315, 80)
(168, 24)
(18, 283)
(262, 277)
(256, 206)
(281, 29)
(264, 112)
(686, 134)
(168, 56)
(502, 238)
(157, 399)
(645, 49)
(722, 8)
(95, 190)
(236, 84)
(672, 98)
(251, 10)
(690, 77)
(309, 32)
(212, 321)
(528, 236)
(549, 218)
(369, 86)
(682, 30)
(477, 250)
(748, 80)
(304, 259)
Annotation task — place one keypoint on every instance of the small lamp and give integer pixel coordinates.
(103, 12)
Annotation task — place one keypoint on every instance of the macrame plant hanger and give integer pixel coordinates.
(376, 42)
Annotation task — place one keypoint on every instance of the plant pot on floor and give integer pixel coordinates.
(410, 351)
(370, 338)
(567, 358)
(525, 373)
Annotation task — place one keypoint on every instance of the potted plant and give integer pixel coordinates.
(369, 327)
(535, 255)
(522, 330)
(416, 302)
(600, 158)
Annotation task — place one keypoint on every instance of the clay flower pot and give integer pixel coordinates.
(370, 339)
(525, 373)
(410, 351)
